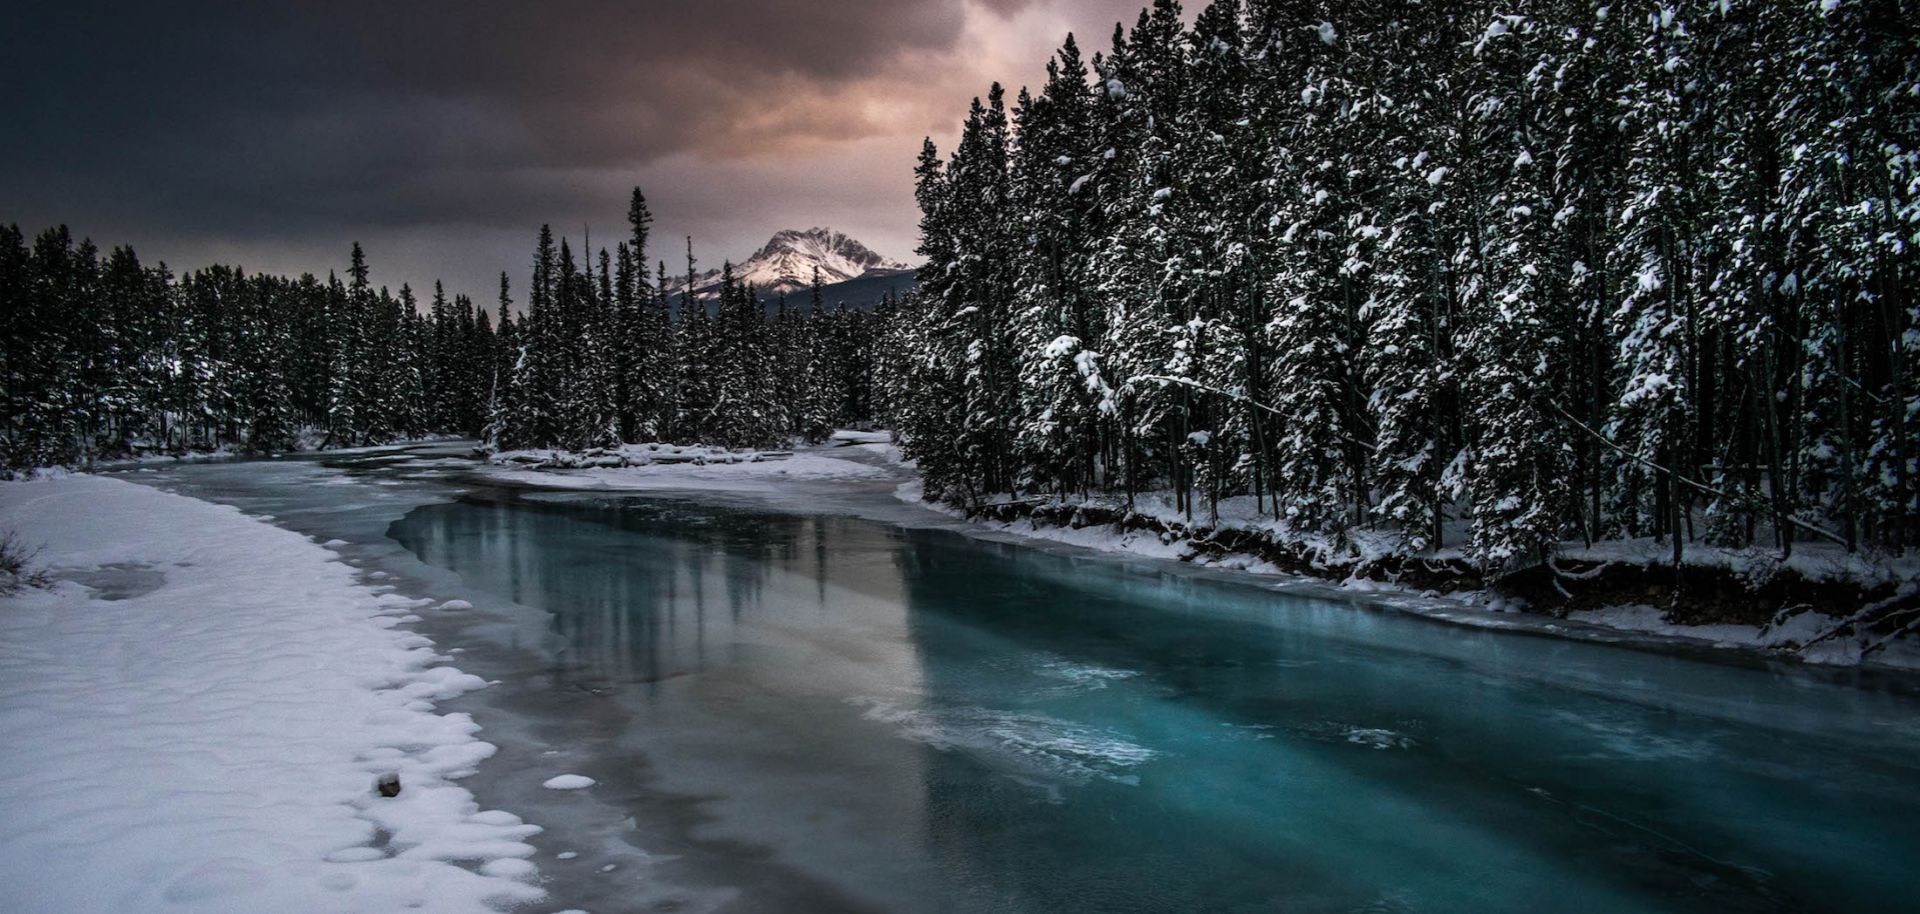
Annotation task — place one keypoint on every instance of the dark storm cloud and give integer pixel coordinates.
(444, 130)
(605, 82)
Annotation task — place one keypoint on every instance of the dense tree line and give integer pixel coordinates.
(107, 357)
(606, 355)
(1557, 270)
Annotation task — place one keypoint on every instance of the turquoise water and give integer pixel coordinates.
(804, 712)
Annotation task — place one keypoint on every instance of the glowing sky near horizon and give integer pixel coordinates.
(442, 135)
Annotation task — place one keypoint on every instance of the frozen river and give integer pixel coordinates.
(809, 705)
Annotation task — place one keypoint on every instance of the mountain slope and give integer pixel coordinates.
(787, 261)
(861, 292)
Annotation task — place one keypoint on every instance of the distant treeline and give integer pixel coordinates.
(1563, 270)
(603, 357)
(107, 357)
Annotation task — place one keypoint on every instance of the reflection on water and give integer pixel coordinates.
(647, 591)
(916, 721)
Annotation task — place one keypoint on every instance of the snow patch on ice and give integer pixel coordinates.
(510, 868)
(1084, 676)
(1378, 738)
(1032, 748)
(568, 782)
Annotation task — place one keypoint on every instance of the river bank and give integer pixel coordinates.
(1823, 605)
(198, 709)
(1747, 600)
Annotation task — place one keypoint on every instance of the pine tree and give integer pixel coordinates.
(1066, 404)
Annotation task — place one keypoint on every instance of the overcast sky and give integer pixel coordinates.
(441, 135)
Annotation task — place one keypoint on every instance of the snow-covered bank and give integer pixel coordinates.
(641, 467)
(307, 441)
(1441, 585)
(1438, 584)
(200, 726)
(1793, 632)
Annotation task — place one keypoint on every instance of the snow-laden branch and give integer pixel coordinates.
(1871, 613)
(1586, 575)
(1694, 483)
(1231, 395)
(1189, 382)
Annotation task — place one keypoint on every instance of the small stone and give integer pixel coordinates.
(388, 785)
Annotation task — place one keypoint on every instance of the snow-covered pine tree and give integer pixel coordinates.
(662, 371)
(1315, 287)
(1854, 178)
(1514, 311)
(1655, 252)
(532, 418)
(932, 347)
(349, 308)
(503, 396)
(1138, 96)
(1408, 312)
(697, 369)
(1218, 227)
(1066, 406)
(261, 342)
(980, 301)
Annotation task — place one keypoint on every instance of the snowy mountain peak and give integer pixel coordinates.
(787, 261)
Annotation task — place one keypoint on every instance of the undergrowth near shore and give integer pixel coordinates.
(17, 569)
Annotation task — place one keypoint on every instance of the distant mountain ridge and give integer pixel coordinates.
(786, 263)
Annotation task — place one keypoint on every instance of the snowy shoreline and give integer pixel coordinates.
(654, 466)
(1155, 538)
(198, 710)
(307, 445)
(630, 470)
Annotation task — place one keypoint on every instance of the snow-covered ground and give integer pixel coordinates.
(643, 467)
(194, 719)
(1099, 537)
(308, 440)
(1791, 633)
